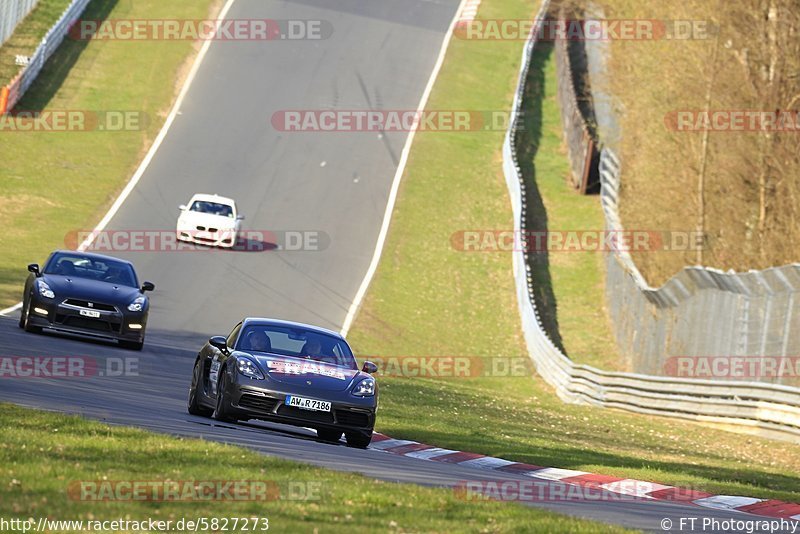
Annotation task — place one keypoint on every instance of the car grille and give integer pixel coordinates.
(87, 323)
(257, 402)
(351, 418)
(204, 229)
(306, 415)
(90, 304)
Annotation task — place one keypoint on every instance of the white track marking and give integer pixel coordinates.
(553, 473)
(487, 462)
(725, 502)
(390, 444)
(429, 454)
(387, 216)
(150, 153)
(637, 488)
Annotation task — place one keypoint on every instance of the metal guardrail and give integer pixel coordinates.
(11, 13)
(10, 95)
(767, 409)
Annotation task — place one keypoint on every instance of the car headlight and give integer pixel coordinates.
(365, 388)
(137, 305)
(45, 291)
(248, 368)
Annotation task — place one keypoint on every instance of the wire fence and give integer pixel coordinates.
(748, 318)
(11, 13)
(10, 94)
(771, 410)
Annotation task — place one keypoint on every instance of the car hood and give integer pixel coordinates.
(81, 288)
(323, 377)
(194, 218)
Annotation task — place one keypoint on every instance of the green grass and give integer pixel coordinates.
(52, 183)
(27, 36)
(428, 299)
(44, 456)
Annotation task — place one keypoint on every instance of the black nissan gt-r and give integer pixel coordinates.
(87, 294)
(286, 372)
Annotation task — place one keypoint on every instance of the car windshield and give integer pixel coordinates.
(213, 208)
(297, 342)
(102, 270)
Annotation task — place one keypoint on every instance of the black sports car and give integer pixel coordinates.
(286, 372)
(86, 294)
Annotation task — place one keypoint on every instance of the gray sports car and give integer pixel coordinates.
(286, 372)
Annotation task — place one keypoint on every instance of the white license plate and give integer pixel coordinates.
(308, 404)
(90, 313)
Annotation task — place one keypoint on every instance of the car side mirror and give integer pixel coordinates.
(370, 368)
(34, 268)
(240, 217)
(148, 286)
(183, 207)
(219, 342)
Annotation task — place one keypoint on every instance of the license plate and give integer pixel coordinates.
(308, 404)
(90, 313)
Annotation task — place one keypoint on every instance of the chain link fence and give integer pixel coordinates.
(751, 318)
(11, 13)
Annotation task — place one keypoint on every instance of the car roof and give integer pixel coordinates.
(264, 321)
(92, 255)
(204, 197)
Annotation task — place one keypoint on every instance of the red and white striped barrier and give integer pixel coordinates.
(619, 485)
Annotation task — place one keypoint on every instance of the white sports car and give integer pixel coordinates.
(210, 220)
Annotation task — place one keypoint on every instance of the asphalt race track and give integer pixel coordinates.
(379, 56)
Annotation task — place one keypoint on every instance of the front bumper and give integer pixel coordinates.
(67, 318)
(268, 404)
(210, 237)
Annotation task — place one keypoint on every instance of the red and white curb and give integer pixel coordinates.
(623, 486)
(470, 11)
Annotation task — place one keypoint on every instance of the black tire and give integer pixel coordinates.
(223, 411)
(359, 440)
(26, 319)
(194, 407)
(328, 435)
(132, 345)
(22, 316)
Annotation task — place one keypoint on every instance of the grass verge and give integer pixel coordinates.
(52, 183)
(428, 299)
(44, 456)
(27, 36)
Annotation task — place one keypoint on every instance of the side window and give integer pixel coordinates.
(233, 336)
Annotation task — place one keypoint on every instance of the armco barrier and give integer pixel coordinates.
(49, 44)
(11, 13)
(768, 409)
